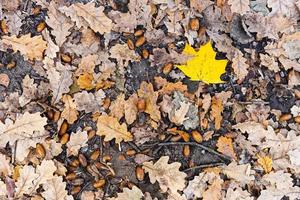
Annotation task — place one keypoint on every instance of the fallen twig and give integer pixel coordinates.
(204, 166)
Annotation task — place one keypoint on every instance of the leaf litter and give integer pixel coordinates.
(151, 99)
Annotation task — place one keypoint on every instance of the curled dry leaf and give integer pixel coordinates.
(110, 128)
(167, 175)
(31, 47)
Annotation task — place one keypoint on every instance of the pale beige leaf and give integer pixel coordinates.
(167, 175)
(26, 180)
(45, 171)
(87, 64)
(110, 128)
(133, 194)
(29, 90)
(2, 190)
(241, 173)
(123, 54)
(55, 189)
(131, 109)
(59, 23)
(89, 102)
(59, 83)
(269, 62)
(239, 65)
(4, 79)
(117, 107)
(281, 7)
(179, 115)
(52, 48)
(5, 168)
(239, 6)
(214, 190)
(147, 93)
(88, 15)
(70, 112)
(77, 140)
(31, 47)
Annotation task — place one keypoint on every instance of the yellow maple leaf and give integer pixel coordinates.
(203, 66)
(265, 162)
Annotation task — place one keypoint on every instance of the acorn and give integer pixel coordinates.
(130, 152)
(141, 105)
(75, 163)
(56, 116)
(71, 176)
(75, 190)
(194, 24)
(140, 173)
(77, 182)
(63, 128)
(11, 65)
(145, 53)
(100, 183)
(106, 103)
(95, 155)
(91, 134)
(140, 41)
(40, 27)
(50, 114)
(175, 138)
(297, 119)
(106, 158)
(167, 68)
(130, 44)
(138, 33)
(4, 27)
(66, 58)
(186, 151)
(285, 117)
(197, 136)
(82, 160)
(40, 151)
(65, 138)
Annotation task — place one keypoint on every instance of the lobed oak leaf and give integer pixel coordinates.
(225, 146)
(25, 182)
(203, 66)
(117, 107)
(239, 65)
(70, 112)
(85, 81)
(167, 175)
(77, 140)
(31, 47)
(131, 109)
(55, 189)
(265, 162)
(241, 173)
(147, 93)
(133, 194)
(110, 128)
(87, 15)
(214, 190)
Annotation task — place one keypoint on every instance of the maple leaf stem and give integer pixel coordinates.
(224, 157)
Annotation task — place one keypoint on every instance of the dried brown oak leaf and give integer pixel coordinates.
(131, 109)
(167, 175)
(31, 47)
(110, 128)
(214, 190)
(147, 93)
(225, 146)
(239, 65)
(55, 189)
(241, 173)
(28, 130)
(216, 111)
(70, 112)
(87, 15)
(133, 194)
(117, 107)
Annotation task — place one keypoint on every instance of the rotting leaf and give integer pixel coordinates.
(203, 66)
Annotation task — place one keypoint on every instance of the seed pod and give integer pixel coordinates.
(141, 105)
(4, 27)
(40, 151)
(100, 183)
(75, 163)
(140, 41)
(91, 134)
(297, 119)
(106, 103)
(175, 138)
(40, 27)
(145, 53)
(82, 160)
(194, 24)
(65, 138)
(75, 190)
(95, 155)
(167, 68)
(130, 44)
(197, 136)
(186, 151)
(130, 152)
(63, 128)
(106, 158)
(71, 176)
(140, 173)
(66, 58)
(50, 114)
(285, 117)
(78, 181)
(56, 116)
(11, 65)
(138, 33)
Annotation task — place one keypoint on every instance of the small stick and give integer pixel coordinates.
(204, 166)
(198, 145)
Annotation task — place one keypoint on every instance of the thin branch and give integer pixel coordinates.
(226, 158)
(204, 166)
